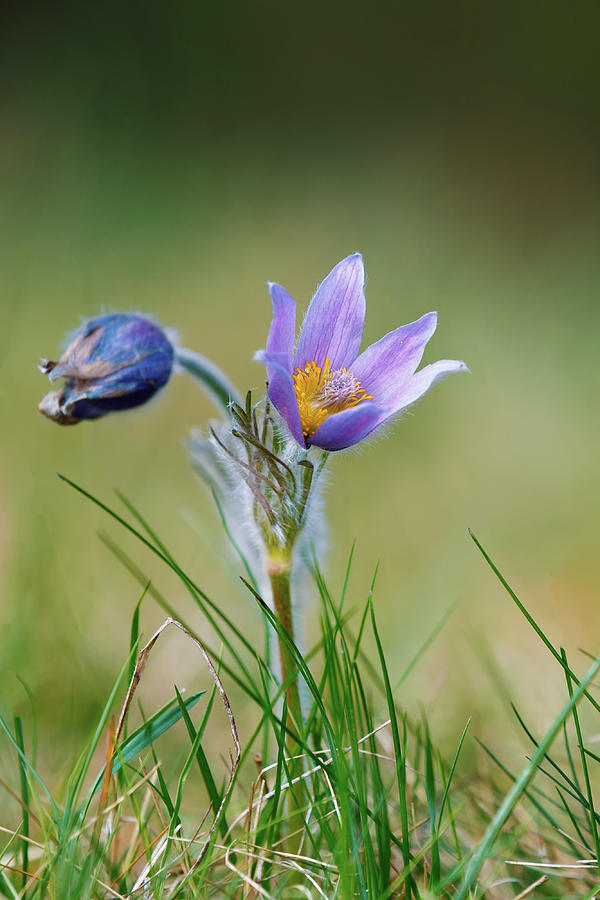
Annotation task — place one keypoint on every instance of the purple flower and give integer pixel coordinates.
(113, 362)
(328, 394)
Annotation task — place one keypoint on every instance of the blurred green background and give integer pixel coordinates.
(172, 158)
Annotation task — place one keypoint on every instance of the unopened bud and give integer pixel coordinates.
(113, 362)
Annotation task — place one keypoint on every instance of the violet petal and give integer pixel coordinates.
(409, 392)
(283, 327)
(334, 322)
(114, 362)
(392, 360)
(281, 390)
(352, 425)
(348, 427)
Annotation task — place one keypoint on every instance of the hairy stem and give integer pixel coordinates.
(282, 601)
(209, 376)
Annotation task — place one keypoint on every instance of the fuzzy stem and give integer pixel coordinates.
(212, 379)
(282, 601)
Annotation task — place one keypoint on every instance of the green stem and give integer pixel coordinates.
(282, 601)
(212, 379)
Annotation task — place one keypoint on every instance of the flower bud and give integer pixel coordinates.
(113, 362)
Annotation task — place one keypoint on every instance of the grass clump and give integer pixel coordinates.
(366, 806)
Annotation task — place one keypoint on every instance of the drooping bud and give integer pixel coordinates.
(113, 362)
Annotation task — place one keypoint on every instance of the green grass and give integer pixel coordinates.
(382, 812)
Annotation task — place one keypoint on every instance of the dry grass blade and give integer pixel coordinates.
(19, 800)
(234, 757)
(103, 799)
(529, 890)
(243, 876)
(21, 837)
(115, 733)
(143, 880)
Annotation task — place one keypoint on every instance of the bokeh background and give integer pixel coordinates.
(172, 158)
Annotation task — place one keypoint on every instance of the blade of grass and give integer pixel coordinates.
(147, 733)
(200, 597)
(23, 759)
(451, 772)
(24, 800)
(447, 802)
(424, 647)
(486, 844)
(539, 806)
(572, 786)
(161, 601)
(134, 634)
(555, 653)
(586, 774)
(574, 823)
(195, 737)
(400, 755)
(431, 794)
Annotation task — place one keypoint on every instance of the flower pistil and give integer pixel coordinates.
(321, 392)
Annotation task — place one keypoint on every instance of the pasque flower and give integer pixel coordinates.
(113, 362)
(327, 393)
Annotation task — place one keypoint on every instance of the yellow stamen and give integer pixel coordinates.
(321, 392)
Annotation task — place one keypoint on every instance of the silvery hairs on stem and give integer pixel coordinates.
(267, 489)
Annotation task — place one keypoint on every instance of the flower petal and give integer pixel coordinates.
(283, 327)
(113, 362)
(348, 427)
(411, 391)
(95, 402)
(281, 390)
(352, 425)
(334, 322)
(391, 361)
(108, 344)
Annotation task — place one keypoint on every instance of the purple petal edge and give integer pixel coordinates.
(283, 327)
(348, 427)
(334, 322)
(281, 391)
(393, 359)
(411, 391)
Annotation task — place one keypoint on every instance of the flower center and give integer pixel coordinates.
(321, 392)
